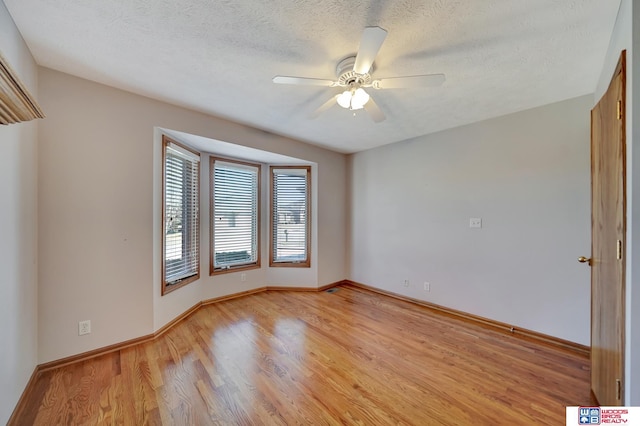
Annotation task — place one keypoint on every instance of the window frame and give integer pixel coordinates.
(244, 266)
(167, 287)
(290, 264)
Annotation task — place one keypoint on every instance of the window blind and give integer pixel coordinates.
(290, 215)
(181, 210)
(235, 214)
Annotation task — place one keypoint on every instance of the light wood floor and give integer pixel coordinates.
(284, 358)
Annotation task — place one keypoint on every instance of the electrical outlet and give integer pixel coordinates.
(406, 283)
(243, 277)
(84, 327)
(427, 286)
(475, 222)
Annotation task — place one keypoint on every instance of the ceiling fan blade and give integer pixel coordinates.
(325, 106)
(374, 111)
(428, 80)
(302, 81)
(372, 39)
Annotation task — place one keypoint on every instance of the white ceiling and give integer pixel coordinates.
(219, 56)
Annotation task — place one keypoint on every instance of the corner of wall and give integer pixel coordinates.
(19, 242)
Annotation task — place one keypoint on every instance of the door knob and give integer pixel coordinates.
(583, 259)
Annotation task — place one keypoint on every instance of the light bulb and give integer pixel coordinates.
(359, 99)
(344, 100)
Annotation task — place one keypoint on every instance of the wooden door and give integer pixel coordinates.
(608, 241)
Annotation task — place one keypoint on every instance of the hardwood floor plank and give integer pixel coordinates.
(352, 357)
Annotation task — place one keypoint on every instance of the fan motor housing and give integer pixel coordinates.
(348, 77)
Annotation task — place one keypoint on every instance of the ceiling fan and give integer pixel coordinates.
(354, 75)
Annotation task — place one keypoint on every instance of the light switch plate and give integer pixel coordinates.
(475, 222)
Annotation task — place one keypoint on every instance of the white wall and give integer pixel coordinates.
(99, 214)
(18, 244)
(526, 175)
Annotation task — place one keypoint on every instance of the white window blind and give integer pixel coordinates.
(235, 214)
(290, 215)
(181, 213)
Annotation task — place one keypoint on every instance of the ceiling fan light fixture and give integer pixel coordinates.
(359, 99)
(354, 74)
(353, 99)
(344, 100)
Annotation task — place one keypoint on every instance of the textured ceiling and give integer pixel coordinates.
(219, 56)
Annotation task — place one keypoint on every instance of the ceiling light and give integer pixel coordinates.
(353, 99)
(344, 100)
(359, 98)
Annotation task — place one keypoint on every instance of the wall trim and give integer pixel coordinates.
(122, 345)
(328, 286)
(316, 289)
(234, 295)
(41, 368)
(518, 332)
(22, 402)
(93, 353)
(284, 288)
(505, 328)
(159, 332)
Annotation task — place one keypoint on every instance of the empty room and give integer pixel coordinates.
(295, 212)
